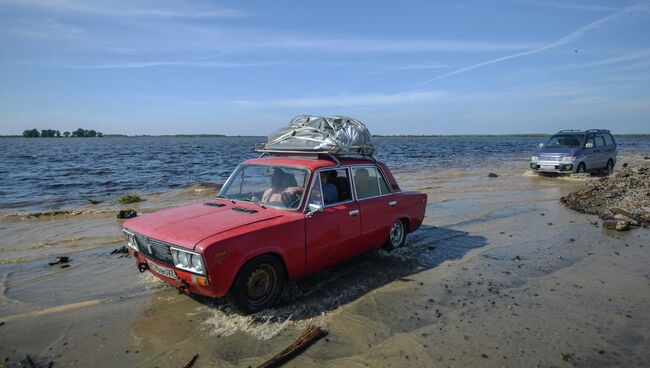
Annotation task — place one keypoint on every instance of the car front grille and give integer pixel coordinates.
(549, 158)
(155, 249)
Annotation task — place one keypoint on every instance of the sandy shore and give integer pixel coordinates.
(501, 274)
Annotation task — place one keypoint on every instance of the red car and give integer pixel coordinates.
(277, 218)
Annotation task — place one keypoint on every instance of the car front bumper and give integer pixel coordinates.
(185, 281)
(553, 167)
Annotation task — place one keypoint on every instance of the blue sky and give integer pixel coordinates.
(247, 67)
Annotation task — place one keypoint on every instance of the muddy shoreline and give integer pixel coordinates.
(500, 274)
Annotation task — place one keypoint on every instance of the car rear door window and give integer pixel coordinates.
(369, 182)
(608, 139)
(383, 186)
(600, 141)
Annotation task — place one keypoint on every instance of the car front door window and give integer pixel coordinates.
(316, 195)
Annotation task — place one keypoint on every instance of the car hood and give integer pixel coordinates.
(559, 151)
(186, 226)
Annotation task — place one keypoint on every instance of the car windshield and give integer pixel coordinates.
(269, 185)
(563, 141)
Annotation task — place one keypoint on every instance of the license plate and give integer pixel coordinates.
(167, 272)
(547, 167)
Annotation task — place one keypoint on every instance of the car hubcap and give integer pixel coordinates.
(260, 283)
(396, 233)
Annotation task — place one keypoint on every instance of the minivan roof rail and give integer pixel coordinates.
(585, 131)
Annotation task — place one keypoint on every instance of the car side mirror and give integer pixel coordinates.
(314, 208)
(589, 145)
(540, 145)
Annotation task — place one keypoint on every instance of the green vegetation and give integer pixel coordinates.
(129, 198)
(569, 358)
(51, 133)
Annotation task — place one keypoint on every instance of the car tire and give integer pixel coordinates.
(396, 235)
(258, 285)
(610, 166)
(581, 168)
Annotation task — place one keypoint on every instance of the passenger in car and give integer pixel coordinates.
(330, 192)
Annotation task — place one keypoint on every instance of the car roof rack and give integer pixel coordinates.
(597, 130)
(569, 130)
(318, 154)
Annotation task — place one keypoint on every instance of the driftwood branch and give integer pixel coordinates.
(308, 337)
(191, 361)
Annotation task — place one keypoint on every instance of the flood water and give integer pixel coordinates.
(50, 173)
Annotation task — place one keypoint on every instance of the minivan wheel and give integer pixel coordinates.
(581, 168)
(610, 166)
(396, 236)
(258, 285)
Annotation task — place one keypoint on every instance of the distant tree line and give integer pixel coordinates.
(50, 133)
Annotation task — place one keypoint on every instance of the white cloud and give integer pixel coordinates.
(385, 45)
(349, 100)
(132, 8)
(153, 64)
(574, 5)
(399, 68)
(630, 56)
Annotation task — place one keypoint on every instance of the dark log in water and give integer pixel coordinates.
(310, 336)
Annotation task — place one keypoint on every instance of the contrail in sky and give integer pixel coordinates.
(578, 33)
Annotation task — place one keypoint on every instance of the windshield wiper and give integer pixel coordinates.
(253, 202)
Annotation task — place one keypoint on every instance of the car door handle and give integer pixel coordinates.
(354, 212)
(392, 203)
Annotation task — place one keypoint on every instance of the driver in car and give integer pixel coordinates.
(283, 188)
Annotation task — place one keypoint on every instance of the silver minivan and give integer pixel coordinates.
(576, 151)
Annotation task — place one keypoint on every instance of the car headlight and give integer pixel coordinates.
(131, 241)
(197, 262)
(188, 261)
(534, 158)
(568, 159)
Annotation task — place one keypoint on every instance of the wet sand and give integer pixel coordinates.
(500, 274)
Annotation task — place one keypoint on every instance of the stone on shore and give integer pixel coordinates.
(622, 199)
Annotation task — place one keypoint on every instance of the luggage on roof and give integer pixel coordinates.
(331, 134)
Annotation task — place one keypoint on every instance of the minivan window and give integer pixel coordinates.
(591, 140)
(608, 140)
(600, 141)
(563, 141)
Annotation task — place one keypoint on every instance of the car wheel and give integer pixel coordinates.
(581, 168)
(396, 236)
(610, 166)
(258, 285)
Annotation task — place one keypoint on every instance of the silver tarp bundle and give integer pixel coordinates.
(333, 134)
